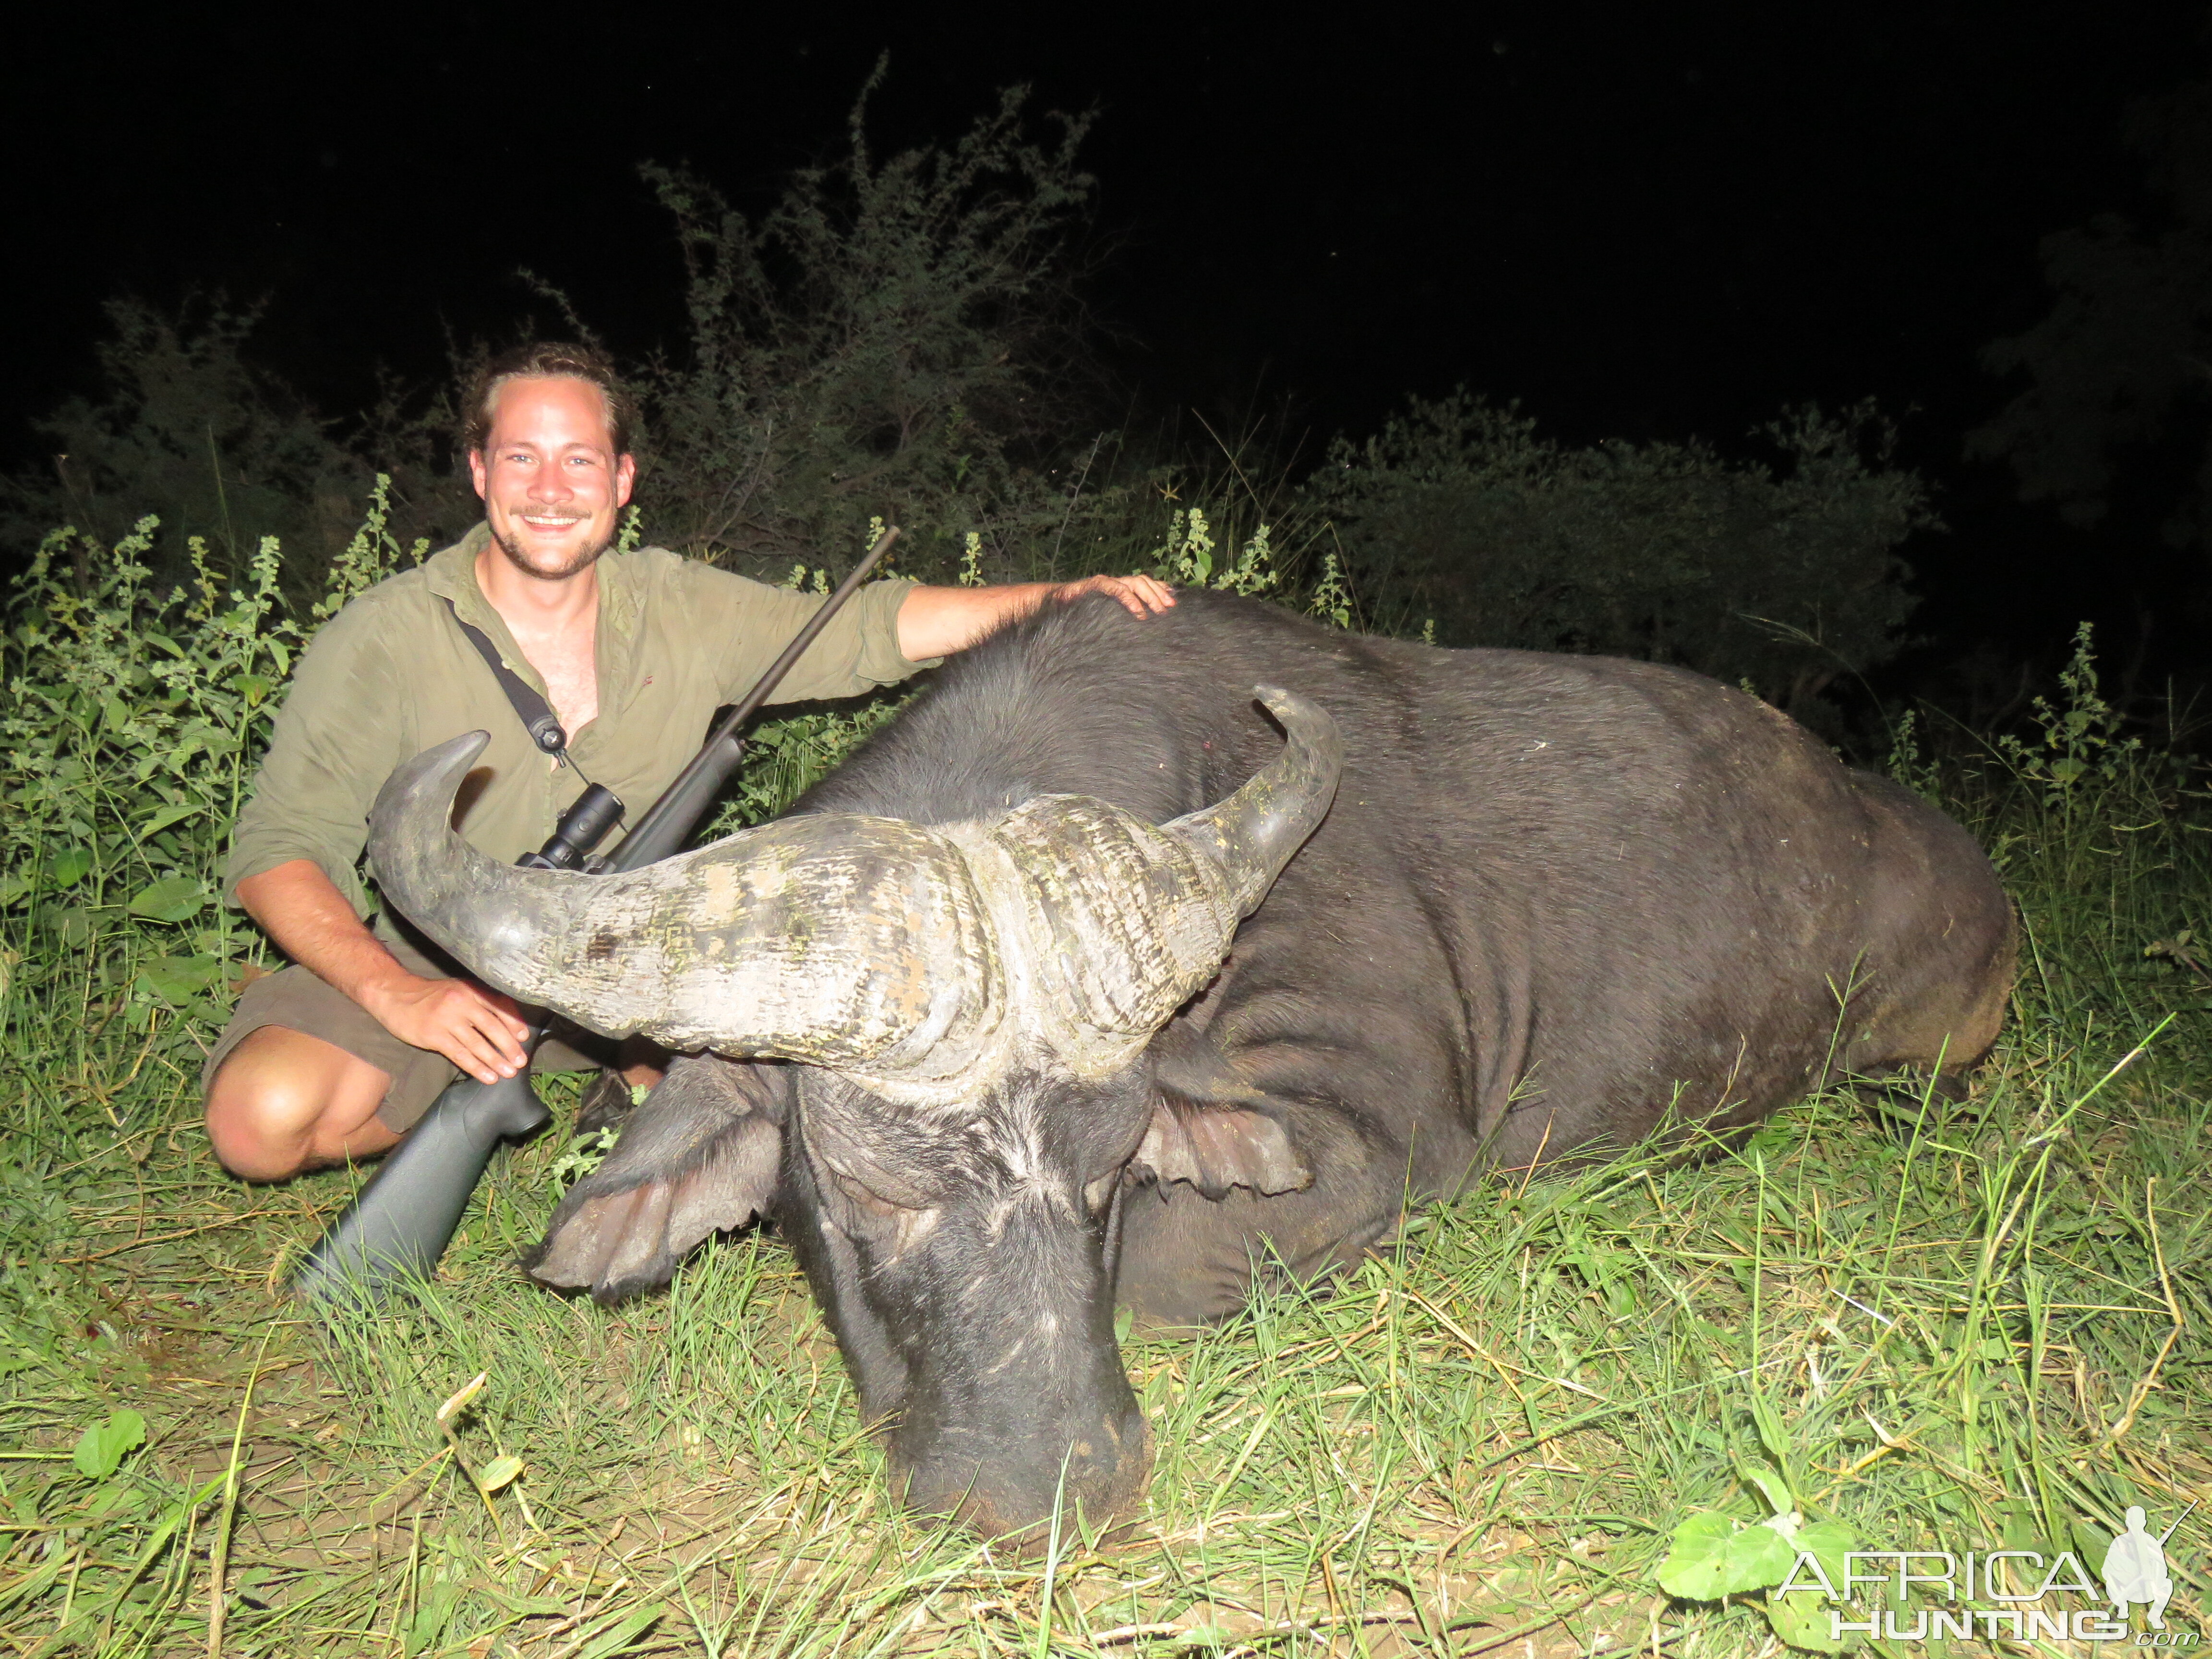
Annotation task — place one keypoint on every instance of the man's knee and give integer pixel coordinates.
(283, 1101)
(254, 1121)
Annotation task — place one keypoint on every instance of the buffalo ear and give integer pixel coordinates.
(1211, 1127)
(700, 1154)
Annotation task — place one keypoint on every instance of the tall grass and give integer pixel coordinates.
(1931, 1324)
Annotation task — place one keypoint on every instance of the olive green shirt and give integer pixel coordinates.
(391, 674)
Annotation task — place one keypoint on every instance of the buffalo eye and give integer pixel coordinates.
(866, 1201)
(862, 1213)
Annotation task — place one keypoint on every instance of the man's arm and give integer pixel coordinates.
(475, 1028)
(935, 622)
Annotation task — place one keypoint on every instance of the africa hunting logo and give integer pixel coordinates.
(2021, 1587)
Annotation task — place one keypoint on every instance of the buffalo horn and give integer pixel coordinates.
(837, 940)
(1124, 921)
(1250, 836)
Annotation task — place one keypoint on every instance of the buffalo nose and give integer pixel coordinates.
(1100, 1477)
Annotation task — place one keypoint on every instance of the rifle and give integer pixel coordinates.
(400, 1223)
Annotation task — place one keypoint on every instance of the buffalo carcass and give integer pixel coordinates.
(1555, 904)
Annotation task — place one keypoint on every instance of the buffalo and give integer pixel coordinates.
(1137, 958)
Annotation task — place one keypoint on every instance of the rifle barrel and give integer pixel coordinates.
(668, 822)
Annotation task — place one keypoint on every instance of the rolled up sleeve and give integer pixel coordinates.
(857, 652)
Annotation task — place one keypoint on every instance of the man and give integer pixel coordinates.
(335, 1057)
(2135, 1570)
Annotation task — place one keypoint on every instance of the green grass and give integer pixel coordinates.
(1491, 1431)
(1941, 1326)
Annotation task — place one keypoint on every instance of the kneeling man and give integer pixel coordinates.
(336, 1057)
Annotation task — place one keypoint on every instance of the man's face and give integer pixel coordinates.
(552, 483)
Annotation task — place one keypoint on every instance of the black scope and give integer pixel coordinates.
(581, 828)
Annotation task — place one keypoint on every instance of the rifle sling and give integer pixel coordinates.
(536, 715)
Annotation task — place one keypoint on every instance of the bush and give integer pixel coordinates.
(887, 341)
(2113, 411)
(896, 337)
(135, 719)
(188, 430)
(1459, 512)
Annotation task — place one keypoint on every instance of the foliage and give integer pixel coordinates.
(886, 340)
(2078, 744)
(133, 724)
(189, 430)
(895, 336)
(2116, 368)
(1458, 510)
(1186, 557)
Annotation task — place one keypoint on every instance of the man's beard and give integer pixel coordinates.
(582, 560)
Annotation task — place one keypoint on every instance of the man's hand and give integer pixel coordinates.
(1140, 595)
(475, 1028)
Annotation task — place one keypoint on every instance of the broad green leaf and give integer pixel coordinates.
(435, 1613)
(179, 979)
(101, 1448)
(1770, 1483)
(13, 888)
(1771, 1434)
(1713, 1557)
(173, 898)
(1696, 1542)
(1828, 1542)
(118, 1497)
(169, 815)
(2091, 1543)
(1804, 1622)
(2022, 1527)
(500, 1471)
(69, 866)
(1207, 1636)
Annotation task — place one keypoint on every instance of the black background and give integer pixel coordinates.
(1645, 222)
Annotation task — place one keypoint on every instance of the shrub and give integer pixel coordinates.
(2113, 411)
(889, 340)
(1457, 510)
(188, 430)
(897, 337)
(135, 721)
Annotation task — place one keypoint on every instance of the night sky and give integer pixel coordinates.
(1647, 222)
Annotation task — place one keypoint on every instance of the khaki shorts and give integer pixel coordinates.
(295, 999)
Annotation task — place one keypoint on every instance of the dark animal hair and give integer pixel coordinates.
(547, 359)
